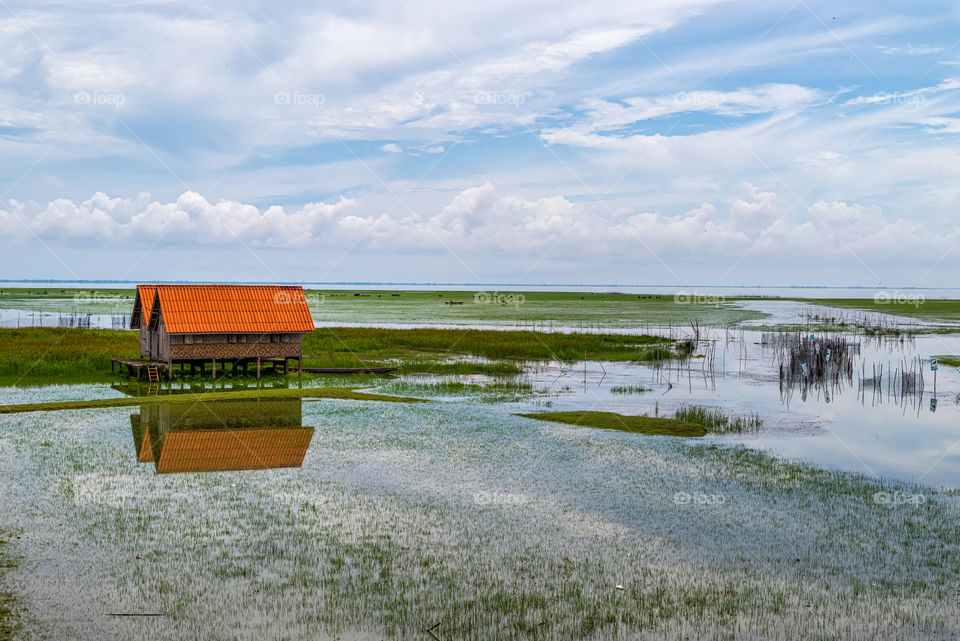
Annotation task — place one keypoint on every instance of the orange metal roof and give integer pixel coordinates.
(222, 450)
(142, 301)
(233, 308)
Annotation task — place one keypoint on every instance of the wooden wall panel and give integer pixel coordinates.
(228, 351)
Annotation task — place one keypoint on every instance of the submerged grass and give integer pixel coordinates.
(717, 421)
(443, 513)
(345, 393)
(613, 421)
(495, 391)
(6, 599)
(6, 616)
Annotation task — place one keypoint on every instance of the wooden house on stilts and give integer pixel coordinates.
(238, 325)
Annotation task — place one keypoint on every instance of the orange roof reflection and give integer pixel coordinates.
(223, 450)
(217, 436)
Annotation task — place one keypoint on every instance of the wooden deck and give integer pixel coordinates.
(135, 366)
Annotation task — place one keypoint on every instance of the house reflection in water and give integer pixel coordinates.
(221, 435)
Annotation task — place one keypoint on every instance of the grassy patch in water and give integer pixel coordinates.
(504, 390)
(345, 393)
(949, 361)
(630, 389)
(613, 421)
(717, 421)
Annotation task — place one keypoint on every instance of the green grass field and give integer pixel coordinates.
(55, 355)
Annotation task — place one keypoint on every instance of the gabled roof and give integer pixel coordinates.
(142, 301)
(214, 309)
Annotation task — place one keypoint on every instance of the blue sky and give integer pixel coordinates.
(667, 142)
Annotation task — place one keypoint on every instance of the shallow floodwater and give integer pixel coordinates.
(399, 517)
(54, 316)
(882, 434)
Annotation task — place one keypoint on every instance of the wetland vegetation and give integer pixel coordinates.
(7, 602)
(476, 515)
(528, 309)
(718, 421)
(650, 425)
(38, 355)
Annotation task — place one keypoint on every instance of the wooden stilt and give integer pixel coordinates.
(299, 367)
(258, 367)
(214, 367)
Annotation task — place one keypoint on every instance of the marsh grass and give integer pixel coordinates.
(629, 389)
(651, 425)
(539, 309)
(6, 616)
(717, 421)
(67, 354)
(490, 368)
(501, 390)
(74, 355)
(7, 601)
(349, 345)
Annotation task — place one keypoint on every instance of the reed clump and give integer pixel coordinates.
(718, 421)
